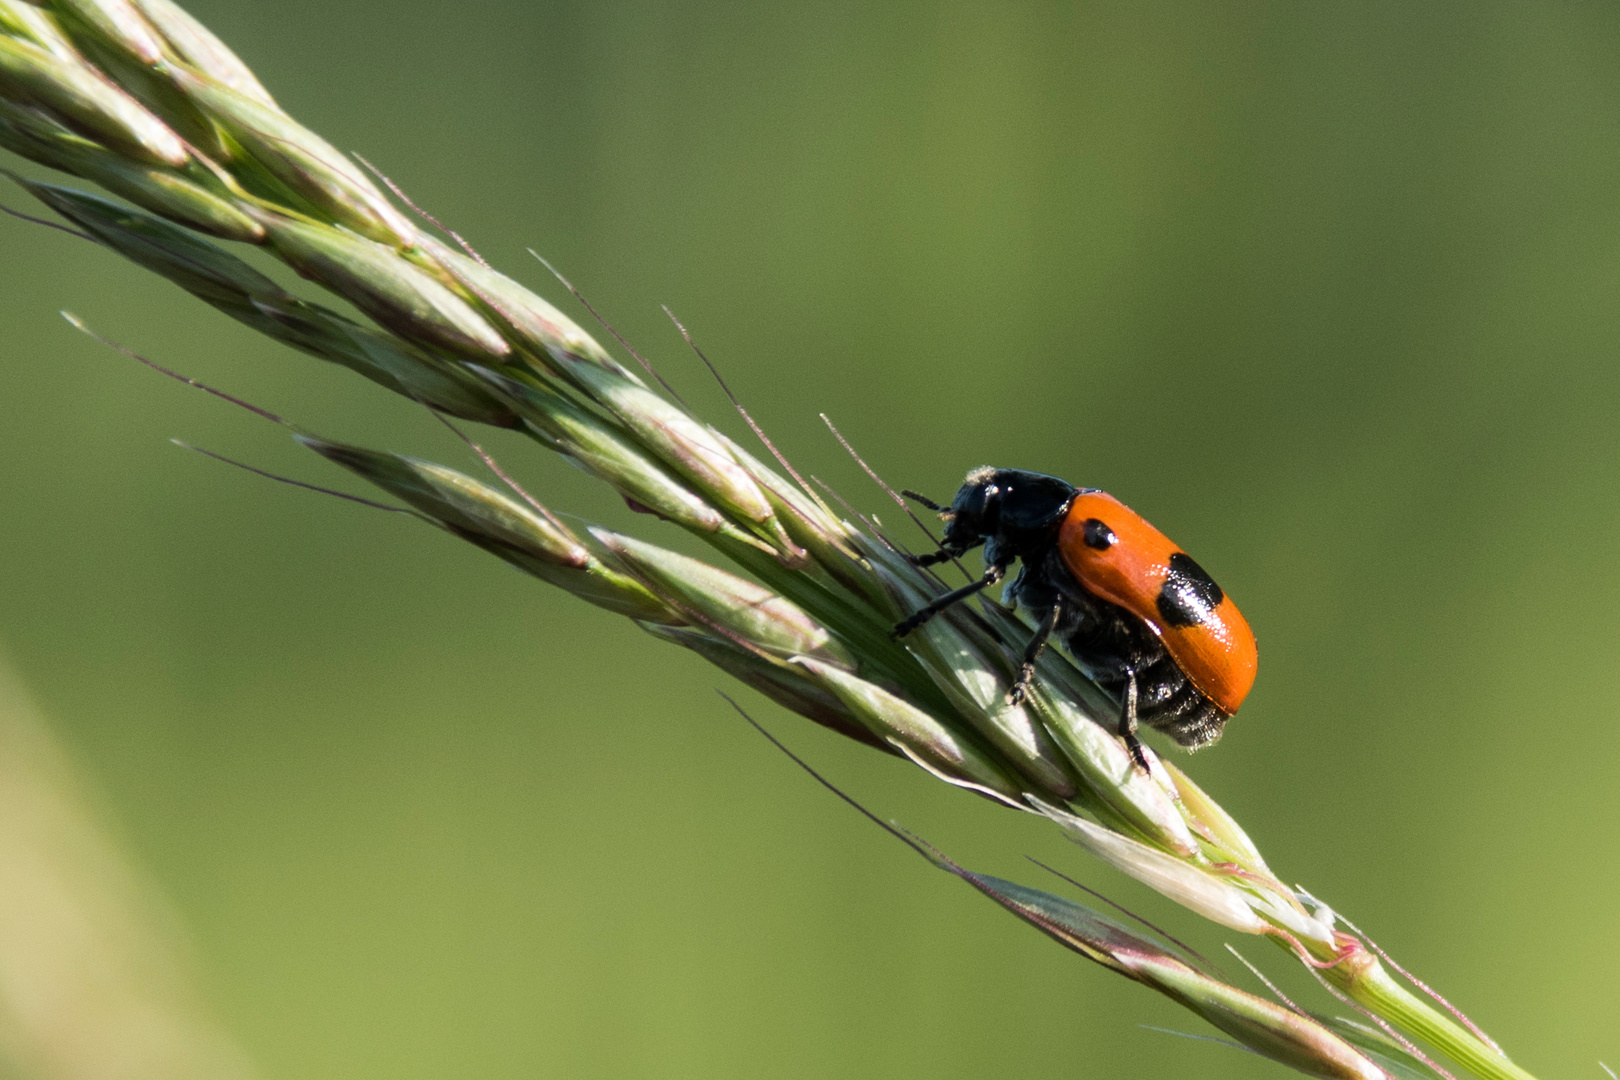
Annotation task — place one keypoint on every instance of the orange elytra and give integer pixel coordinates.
(1145, 573)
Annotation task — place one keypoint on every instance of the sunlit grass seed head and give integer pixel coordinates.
(214, 275)
(203, 269)
(530, 540)
(607, 453)
(138, 97)
(116, 25)
(399, 295)
(918, 734)
(328, 184)
(194, 44)
(34, 134)
(731, 605)
(537, 327)
(31, 74)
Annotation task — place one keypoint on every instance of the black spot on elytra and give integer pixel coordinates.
(1189, 596)
(1098, 535)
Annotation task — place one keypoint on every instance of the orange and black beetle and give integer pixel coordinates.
(1143, 618)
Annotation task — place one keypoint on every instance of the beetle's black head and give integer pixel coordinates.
(1011, 506)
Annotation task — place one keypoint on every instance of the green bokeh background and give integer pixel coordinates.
(1328, 292)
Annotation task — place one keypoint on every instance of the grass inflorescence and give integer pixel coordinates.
(800, 598)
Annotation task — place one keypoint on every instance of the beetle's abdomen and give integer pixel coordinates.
(1117, 556)
(1111, 643)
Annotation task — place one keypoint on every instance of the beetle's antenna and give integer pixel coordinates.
(925, 500)
(875, 527)
(895, 495)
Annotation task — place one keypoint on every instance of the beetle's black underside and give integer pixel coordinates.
(1111, 643)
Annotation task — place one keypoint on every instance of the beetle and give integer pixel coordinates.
(1139, 614)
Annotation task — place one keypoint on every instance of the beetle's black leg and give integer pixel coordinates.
(992, 575)
(1127, 722)
(1032, 653)
(924, 500)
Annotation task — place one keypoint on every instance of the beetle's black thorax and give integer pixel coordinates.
(1010, 511)
(1022, 543)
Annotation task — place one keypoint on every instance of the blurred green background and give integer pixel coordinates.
(1328, 292)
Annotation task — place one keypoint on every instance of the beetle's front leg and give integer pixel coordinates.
(993, 574)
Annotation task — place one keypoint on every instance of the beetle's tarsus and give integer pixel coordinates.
(1032, 652)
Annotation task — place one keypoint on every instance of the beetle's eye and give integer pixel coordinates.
(1098, 535)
